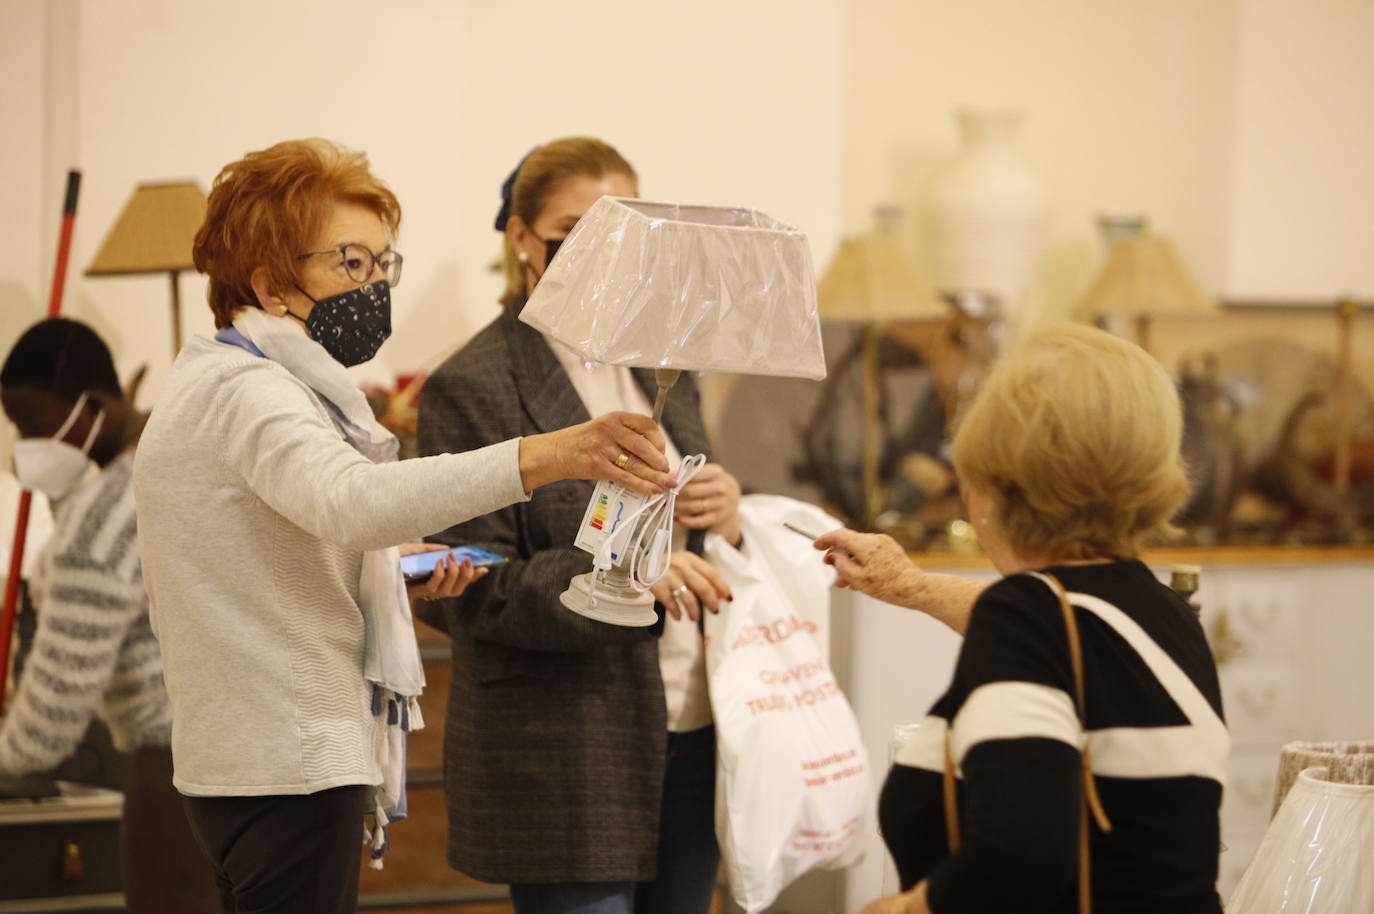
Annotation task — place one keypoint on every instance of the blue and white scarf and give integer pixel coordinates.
(392, 664)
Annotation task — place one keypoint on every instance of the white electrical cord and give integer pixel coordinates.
(658, 513)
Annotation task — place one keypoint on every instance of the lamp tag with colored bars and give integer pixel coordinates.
(610, 508)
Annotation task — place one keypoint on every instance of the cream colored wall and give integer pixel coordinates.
(725, 102)
(1239, 126)
(21, 198)
(1128, 107)
(1202, 115)
(1302, 202)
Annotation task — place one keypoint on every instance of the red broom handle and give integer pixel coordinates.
(21, 526)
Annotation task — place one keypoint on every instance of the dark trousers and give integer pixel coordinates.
(163, 870)
(283, 854)
(688, 856)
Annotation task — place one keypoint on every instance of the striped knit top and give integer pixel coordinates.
(1153, 721)
(93, 652)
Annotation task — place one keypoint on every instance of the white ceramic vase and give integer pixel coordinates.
(988, 213)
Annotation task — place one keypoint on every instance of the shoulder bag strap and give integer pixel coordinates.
(1091, 802)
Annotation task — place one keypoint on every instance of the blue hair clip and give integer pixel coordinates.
(507, 188)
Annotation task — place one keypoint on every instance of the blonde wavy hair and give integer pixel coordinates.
(1075, 437)
(539, 176)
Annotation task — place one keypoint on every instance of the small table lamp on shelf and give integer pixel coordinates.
(154, 234)
(676, 288)
(869, 281)
(1142, 278)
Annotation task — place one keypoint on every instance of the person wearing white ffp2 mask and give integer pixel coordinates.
(93, 653)
(52, 465)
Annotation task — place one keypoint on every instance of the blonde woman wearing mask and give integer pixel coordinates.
(579, 756)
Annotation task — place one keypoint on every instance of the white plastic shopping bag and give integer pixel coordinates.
(793, 787)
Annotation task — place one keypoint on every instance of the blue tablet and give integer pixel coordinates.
(420, 566)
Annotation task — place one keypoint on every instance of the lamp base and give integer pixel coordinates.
(612, 605)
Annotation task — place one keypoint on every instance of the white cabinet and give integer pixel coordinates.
(1302, 635)
(1300, 639)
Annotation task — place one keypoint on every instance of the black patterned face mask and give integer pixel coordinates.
(353, 325)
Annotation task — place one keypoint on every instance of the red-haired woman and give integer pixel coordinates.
(270, 507)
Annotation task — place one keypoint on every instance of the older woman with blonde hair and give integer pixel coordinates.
(1077, 760)
(270, 505)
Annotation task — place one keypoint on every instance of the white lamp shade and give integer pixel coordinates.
(697, 288)
(1316, 856)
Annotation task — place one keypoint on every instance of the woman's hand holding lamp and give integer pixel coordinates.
(625, 448)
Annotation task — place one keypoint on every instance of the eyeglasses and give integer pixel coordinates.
(358, 262)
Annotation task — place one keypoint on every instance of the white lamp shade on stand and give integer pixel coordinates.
(676, 288)
(1317, 856)
(695, 288)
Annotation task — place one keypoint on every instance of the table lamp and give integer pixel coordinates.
(869, 281)
(1142, 278)
(1314, 858)
(676, 287)
(154, 234)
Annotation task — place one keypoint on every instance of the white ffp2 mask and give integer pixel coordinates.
(51, 465)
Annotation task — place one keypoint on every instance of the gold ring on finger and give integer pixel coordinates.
(681, 591)
(622, 461)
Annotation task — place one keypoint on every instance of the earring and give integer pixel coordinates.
(523, 257)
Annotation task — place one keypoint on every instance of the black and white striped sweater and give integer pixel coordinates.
(1159, 749)
(93, 652)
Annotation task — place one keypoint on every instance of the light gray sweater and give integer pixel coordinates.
(253, 516)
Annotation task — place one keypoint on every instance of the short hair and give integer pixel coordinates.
(63, 357)
(268, 207)
(1076, 439)
(539, 176)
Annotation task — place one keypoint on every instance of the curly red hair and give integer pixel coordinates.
(269, 207)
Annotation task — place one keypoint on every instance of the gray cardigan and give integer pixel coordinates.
(253, 517)
(556, 731)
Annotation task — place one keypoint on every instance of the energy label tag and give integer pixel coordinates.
(610, 509)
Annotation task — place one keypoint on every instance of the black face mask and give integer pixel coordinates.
(550, 248)
(353, 325)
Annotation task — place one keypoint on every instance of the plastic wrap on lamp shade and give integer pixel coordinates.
(1317, 856)
(669, 285)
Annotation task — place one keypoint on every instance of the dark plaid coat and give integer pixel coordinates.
(556, 729)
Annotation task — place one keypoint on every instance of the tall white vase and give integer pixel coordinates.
(988, 213)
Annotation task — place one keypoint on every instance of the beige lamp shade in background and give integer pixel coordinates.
(154, 234)
(1142, 278)
(870, 280)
